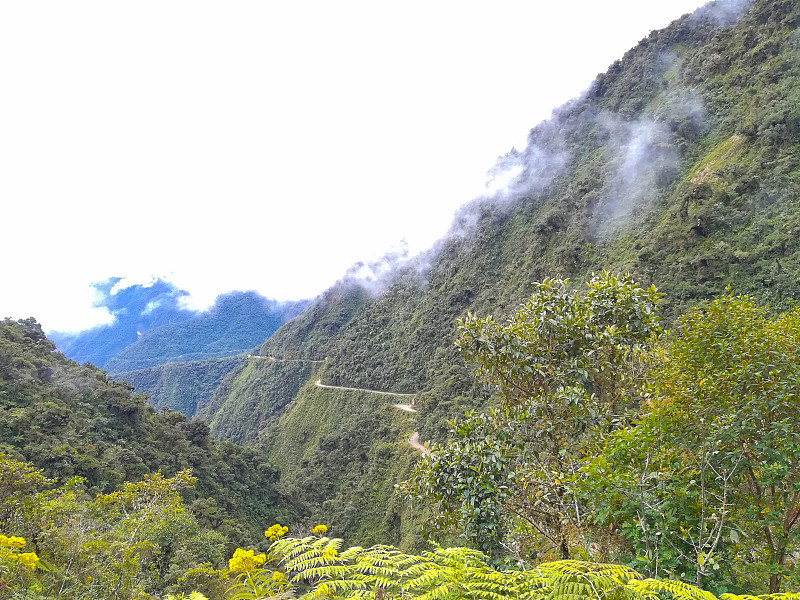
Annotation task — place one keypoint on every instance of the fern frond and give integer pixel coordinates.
(576, 567)
(351, 553)
(327, 572)
(289, 548)
(447, 590)
(340, 589)
(426, 579)
(678, 589)
(418, 568)
(457, 557)
(322, 551)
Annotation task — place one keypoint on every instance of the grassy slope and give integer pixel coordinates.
(335, 442)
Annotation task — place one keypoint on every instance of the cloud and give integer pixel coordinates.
(722, 12)
(643, 159)
(151, 306)
(58, 302)
(376, 275)
(203, 159)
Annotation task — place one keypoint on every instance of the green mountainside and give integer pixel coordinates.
(71, 420)
(136, 309)
(182, 386)
(593, 433)
(680, 164)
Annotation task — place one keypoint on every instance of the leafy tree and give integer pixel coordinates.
(137, 540)
(564, 368)
(717, 448)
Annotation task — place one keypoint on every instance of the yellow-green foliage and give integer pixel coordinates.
(384, 571)
(708, 168)
(129, 543)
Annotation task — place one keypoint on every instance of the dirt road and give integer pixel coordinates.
(413, 441)
(350, 389)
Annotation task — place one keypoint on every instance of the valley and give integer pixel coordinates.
(588, 388)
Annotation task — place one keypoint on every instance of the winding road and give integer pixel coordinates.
(350, 389)
(413, 441)
(273, 359)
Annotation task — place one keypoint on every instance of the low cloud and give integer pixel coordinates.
(376, 275)
(642, 159)
(722, 12)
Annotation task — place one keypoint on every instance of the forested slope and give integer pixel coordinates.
(680, 164)
(182, 386)
(236, 323)
(72, 420)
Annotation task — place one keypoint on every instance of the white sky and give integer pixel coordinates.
(265, 145)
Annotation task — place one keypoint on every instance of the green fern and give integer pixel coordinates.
(784, 596)
(462, 573)
(649, 588)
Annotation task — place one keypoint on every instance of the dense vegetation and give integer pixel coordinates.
(236, 323)
(266, 384)
(679, 455)
(71, 420)
(182, 386)
(594, 433)
(681, 165)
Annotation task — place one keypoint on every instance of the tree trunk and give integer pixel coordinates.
(774, 583)
(563, 548)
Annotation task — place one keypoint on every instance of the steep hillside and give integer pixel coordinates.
(266, 385)
(252, 395)
(346, 450)
(680, 164)
(237, 322)
(73, 420)
(182, 386)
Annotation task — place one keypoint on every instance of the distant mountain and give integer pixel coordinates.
(137, 309)
(236, 323)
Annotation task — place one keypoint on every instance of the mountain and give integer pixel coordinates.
(680, 164)
(151, 327)
(72, 420)
(236, 323)
(136, 310)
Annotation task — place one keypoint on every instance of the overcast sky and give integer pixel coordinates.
(265, 145)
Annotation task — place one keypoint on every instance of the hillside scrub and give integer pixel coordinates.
(680, 456)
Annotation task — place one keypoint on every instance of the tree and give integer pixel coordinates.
(723, 428)
(565, 367)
